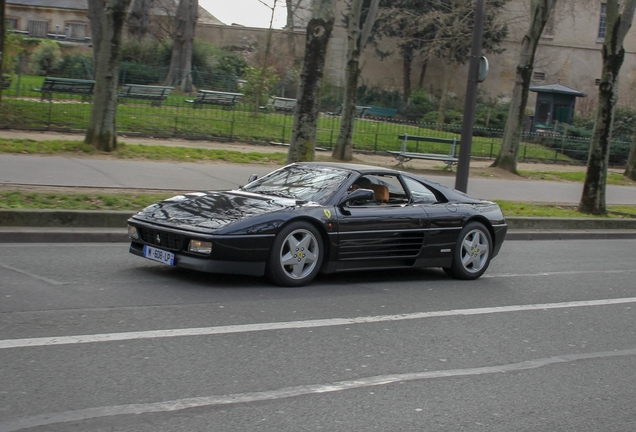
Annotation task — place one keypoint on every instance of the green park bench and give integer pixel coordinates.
(404, 156)
(209, 97)
(375, 111)
(155, 94)
(51, 85)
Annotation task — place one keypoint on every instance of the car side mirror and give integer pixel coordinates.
(358, 194)
(252, 178)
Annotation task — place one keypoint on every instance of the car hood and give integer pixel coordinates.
(212, 211)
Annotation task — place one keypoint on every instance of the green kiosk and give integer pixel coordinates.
(555, 105)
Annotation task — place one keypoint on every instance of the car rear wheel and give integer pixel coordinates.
(472, 252)
(296, 255)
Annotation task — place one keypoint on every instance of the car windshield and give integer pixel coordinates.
(300, 182)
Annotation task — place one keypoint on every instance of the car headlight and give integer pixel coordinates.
(199, 246)
(133, 233)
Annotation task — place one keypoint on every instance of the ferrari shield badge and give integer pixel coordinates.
(327, 213)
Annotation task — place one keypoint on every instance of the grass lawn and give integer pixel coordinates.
(177, 118)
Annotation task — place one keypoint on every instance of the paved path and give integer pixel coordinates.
(64, 171)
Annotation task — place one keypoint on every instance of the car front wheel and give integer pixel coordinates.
(472, 252)
(296, 255)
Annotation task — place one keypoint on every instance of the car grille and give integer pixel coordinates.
(162, 239)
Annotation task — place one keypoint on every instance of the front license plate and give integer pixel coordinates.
(159, 255)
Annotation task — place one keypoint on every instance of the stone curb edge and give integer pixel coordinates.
(79, 226)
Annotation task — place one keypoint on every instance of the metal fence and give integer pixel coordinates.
(180, 119)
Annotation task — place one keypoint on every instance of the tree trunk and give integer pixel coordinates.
(443, 102)
(260, 85)
(420, 83)
(102, 133)
(343, 149)
(406, 74)
(139, 19)
(291, 38)
(96, 18)
(357, 37)
(3, 33)
(630, 168)
(180, 71)
(593, 197)
(508, 154)
(303, 141)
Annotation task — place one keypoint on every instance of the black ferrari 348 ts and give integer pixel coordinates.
(307, 218)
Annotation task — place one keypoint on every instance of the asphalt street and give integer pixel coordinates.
(88, 172)
(94, 339)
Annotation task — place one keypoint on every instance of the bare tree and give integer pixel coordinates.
(539, 16)
(303, 140)
(139, 18)
(630, 168)
(260, 84)
(180, 69)
(619, 17)
(358, 33)
(3, 33)
(107, 24)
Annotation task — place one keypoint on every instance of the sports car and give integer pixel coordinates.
(307, 218)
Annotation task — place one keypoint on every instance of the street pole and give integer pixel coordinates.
(463, 165)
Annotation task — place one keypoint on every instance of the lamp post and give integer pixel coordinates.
(463, 165)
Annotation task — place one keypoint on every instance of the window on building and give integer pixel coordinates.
(76, 31)
(597, 82)
(602, 24)
(11, 23)
(38, 28)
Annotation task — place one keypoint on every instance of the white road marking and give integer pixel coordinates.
(331, 322)
(560, 273)
(198, 402)
(24, 272)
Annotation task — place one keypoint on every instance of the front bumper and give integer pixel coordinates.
(209, 265)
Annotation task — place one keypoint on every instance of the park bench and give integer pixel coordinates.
(84, 88)
(281, 104)
(215, 98)
(404, 156)
(360, 111)
(375, 111)
(6, 81)
(155, 94)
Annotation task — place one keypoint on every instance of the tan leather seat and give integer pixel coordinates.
(381, 193)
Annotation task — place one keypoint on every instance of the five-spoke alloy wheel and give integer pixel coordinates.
(296, 255)
(472, 252)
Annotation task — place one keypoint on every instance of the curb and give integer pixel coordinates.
(80, 226)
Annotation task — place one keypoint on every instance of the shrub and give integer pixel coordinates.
(76, 66)
(12, 50)
(419, 105)
(46, 57)
(253, 77)
(452, 117)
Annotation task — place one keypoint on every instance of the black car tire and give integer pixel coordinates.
(296, 255)
(472, 253)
